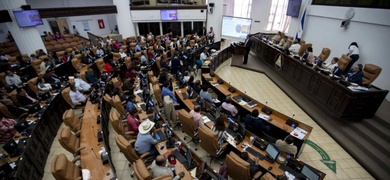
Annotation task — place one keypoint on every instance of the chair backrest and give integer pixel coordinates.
(140, 170)
(187, 121)
(115, 82)
(68, 140)
(343, 62)
(108, 99)
(36, 64)
(63, 169)
(2, 79)
(303, 48)
(370, 73)
(237, 167)
(83, 76)
(76, 63)
(267, 176)
(118, 105)
(14, 97)
(4, 111)
(100, 64)
(208, 139)
(127, 149)
(158, 62)
(33, 84)
(154, 80)
(116, 56)
(324, 54)
(116, 123)
(127, 62)
(157, 93)
(65, 95)
(70, 119)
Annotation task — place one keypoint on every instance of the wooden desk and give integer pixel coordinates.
(328, 94)
(90, 156)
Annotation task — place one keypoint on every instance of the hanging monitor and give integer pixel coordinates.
(28, 18)
(235, 28)
(293, 8)
(168, 15)
(4, 16)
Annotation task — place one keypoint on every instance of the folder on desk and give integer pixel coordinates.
(299, 133)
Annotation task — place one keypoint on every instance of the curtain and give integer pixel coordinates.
(278, 20)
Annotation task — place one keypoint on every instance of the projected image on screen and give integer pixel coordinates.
(168, 15)
(28, 18)
(235, 28)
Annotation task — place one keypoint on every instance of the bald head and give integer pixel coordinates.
(160, 160)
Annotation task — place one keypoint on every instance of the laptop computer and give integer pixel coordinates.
(34, 108)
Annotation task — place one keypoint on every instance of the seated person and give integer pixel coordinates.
(24, 98)
(318, 62)
(90, 77)
(123, 54)
(197, 86)
(43, 86)
(198, 119)
(159, 167)
(331, 66)
(164, 64)
(308, 55)
(254, 124)
(355, 75)
(219, 128)
(296, 46)
(191, 82)
(145, 141)
(7, 129)
(228, 106)
(144, 59)
(87, 58)
(186, 76)
(14, 110)
(76, 97)
(13, 79)
(283, 41)
(287, 145)
(276, 38)
(50, 77)
(99, 52)
(108, 68)
(206, 95)
(163, 76)
(131, 103)
(167, 92)
(80, 84)
(254, 164)
(132, 121)
(128, 84)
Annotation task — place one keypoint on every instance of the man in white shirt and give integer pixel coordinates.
(123, 54)
(228, 106)
(75, 96)
(198, 119)
(295, 47)
(203, 56)
(12, 79)
(332, 65)
(80, 84)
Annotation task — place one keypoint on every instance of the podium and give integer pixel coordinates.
(238, 52)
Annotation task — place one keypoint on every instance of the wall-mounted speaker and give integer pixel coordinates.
(211, 4)
(26, 7)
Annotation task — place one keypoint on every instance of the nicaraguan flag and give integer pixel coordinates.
(300, 29)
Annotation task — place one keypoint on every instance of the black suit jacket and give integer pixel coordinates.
(248, 44)
(24, 101)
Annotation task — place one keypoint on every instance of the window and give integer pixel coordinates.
(242, 8)
(278, 20)
(187, 28)
(174, 27)
(198, 27)
(145, 28)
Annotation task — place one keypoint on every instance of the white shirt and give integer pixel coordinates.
(331, 66)
(295, 48)
(353, 50)
(81, 85)
(14, 79)
(203, 56)
(76, 96)
(123, 55)
(100, 52)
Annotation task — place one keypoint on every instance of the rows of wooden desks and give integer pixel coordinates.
(278, 123)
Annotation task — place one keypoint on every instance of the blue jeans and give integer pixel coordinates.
(153, 151)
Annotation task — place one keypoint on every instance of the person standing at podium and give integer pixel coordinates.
(247, 45)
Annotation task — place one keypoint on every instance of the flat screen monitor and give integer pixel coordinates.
(21, 125)
(272, 151)
(10, 147)
(310, 173)
(235, 28)
(293, 8)
(28, 18)
(168, 15)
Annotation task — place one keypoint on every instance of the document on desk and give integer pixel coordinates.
(214, 84)
(299, 133)
(206, 119)
(216, 101)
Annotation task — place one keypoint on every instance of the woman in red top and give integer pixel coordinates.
(108, 68)
(132, 122)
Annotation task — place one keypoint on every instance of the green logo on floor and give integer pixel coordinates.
(331, 164)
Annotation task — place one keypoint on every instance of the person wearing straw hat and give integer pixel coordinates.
(145, 141)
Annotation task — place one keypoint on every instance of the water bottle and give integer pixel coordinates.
(292, 127)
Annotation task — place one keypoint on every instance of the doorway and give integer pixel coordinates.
(58, 25)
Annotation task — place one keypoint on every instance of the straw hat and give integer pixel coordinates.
(145, 126)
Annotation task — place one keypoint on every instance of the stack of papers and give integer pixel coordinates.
(357, 88)
(215, 84)
(299, 133)
(263, 116)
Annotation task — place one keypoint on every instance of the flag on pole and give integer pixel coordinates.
(300, 29)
